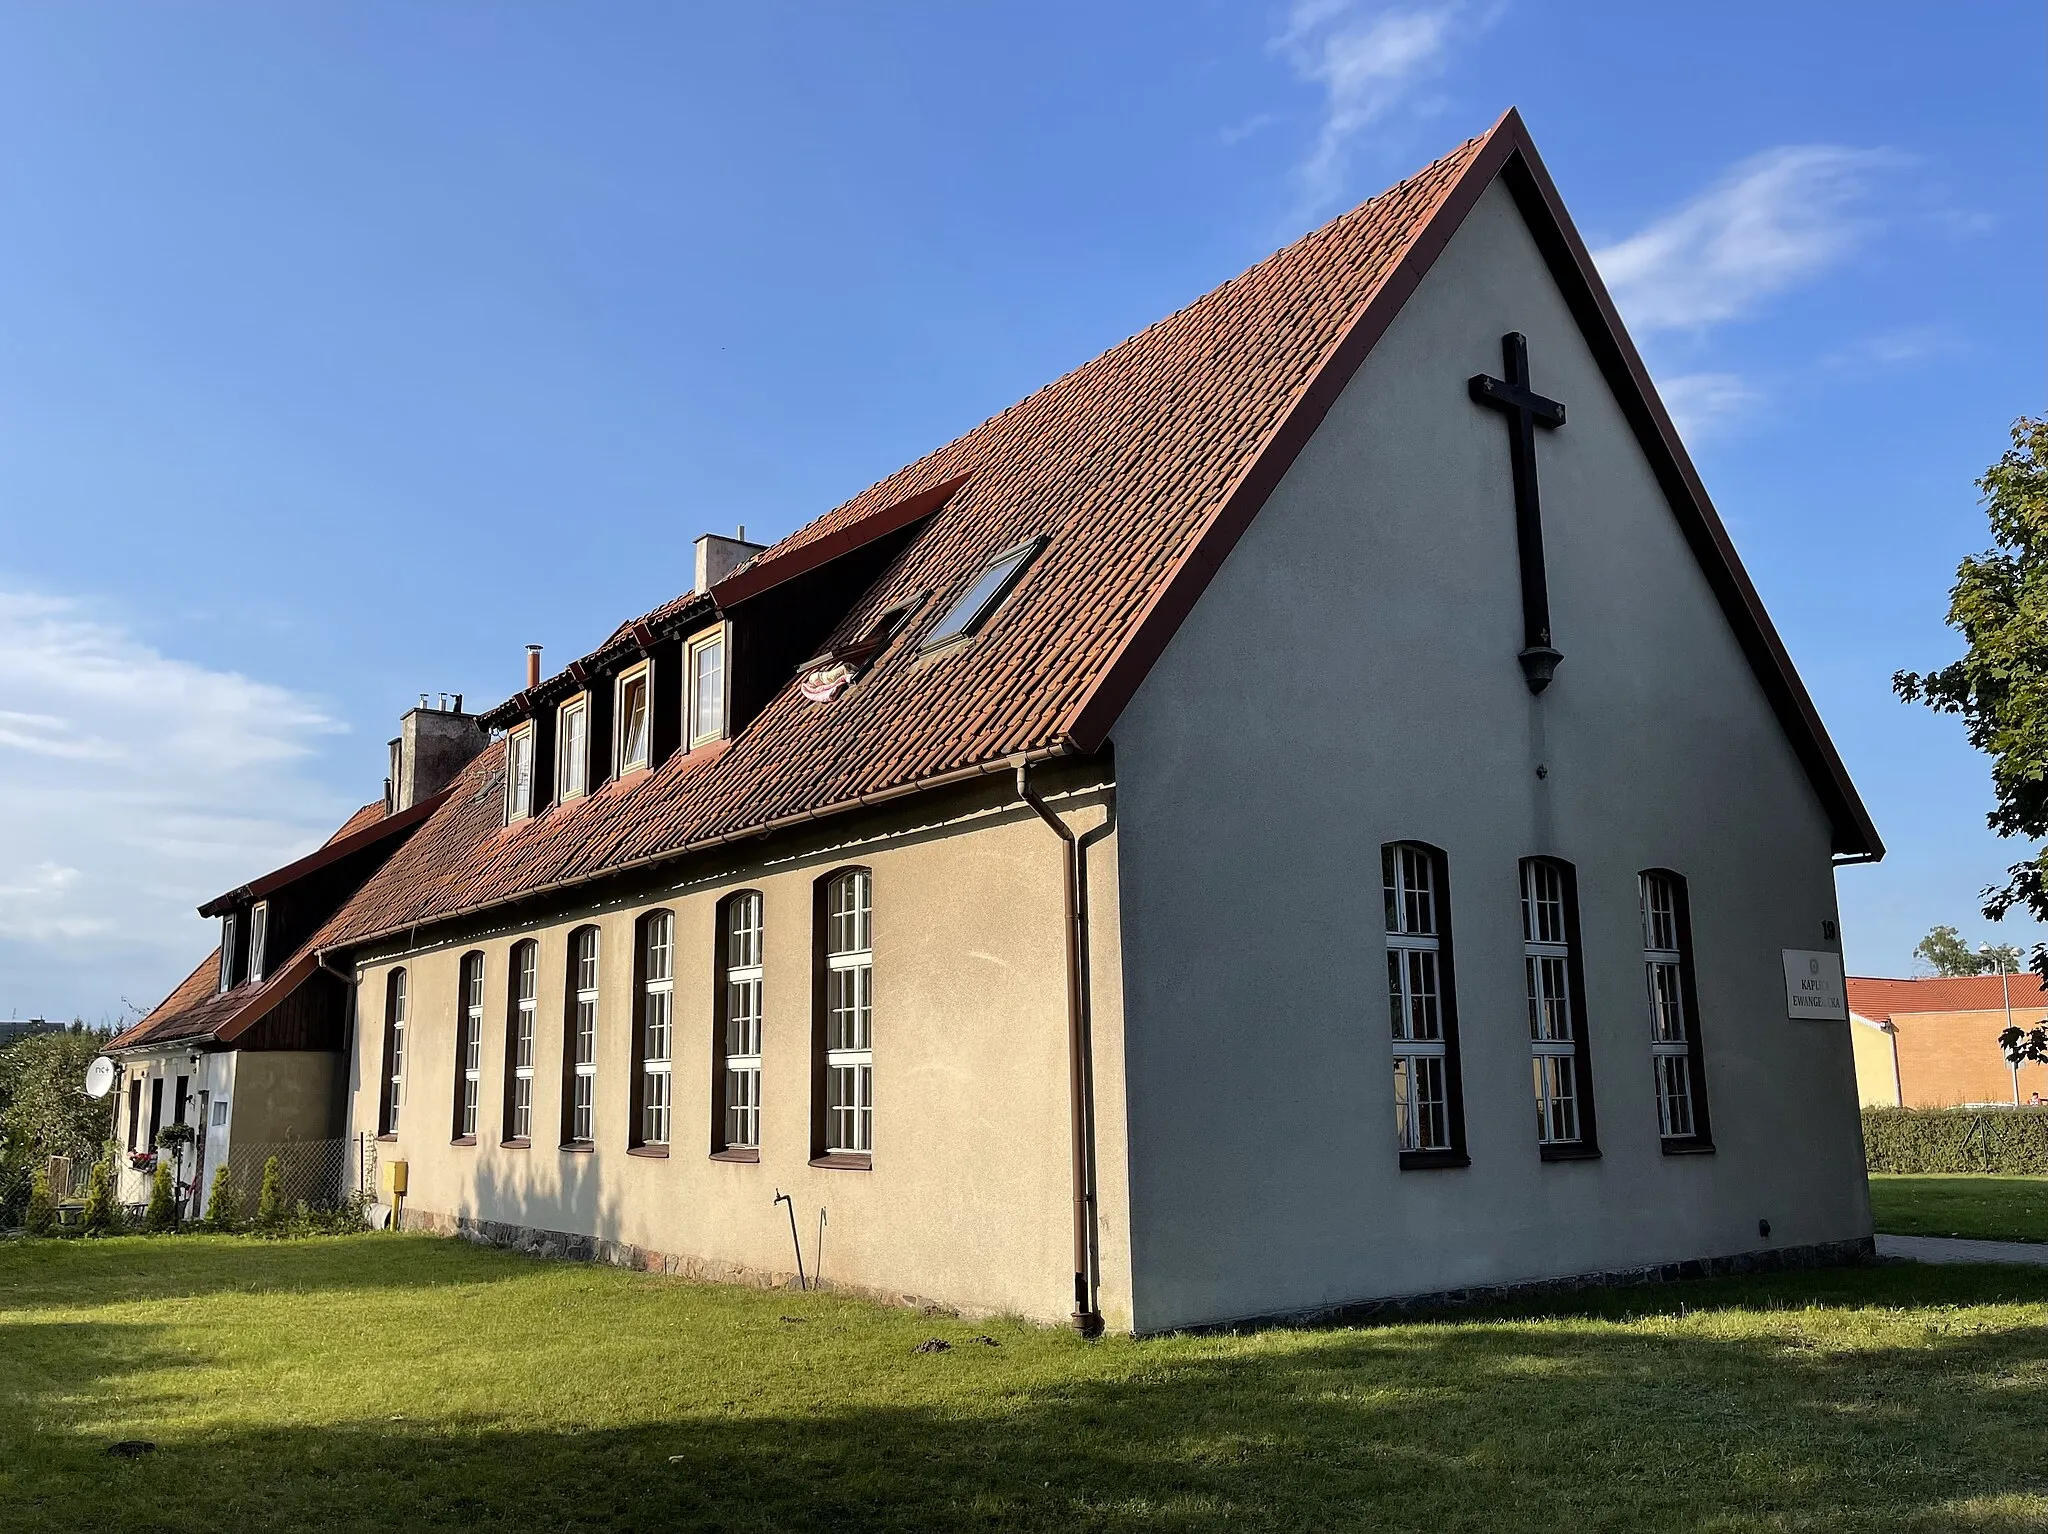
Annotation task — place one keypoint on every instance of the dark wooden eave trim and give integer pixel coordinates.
(333, 852)
(1506, 153)
(764, 574)
(630, 644)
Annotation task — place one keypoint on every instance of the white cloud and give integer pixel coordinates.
(1701, 402)
(133, 785)
(1368, 61)
(1776, 220)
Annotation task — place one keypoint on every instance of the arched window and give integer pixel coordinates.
(522, 1000)
(391, 1091)
(845, 1085)
(1675, 1055)
(736, 1110)
(653, 1038)
(1429, 1121)
(579, 1040)
(1556, 992)
(469, 1046)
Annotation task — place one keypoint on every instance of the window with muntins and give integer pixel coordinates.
(1420, 1006)
(1557, 1041)
(633, 735)
(707, 688)
(393, 1094)
(1674, 1032)
(259, 934)
(849, 1061)
(519, 774)
(579, 1047)
(525, 999)
(572, 748)
(469, 1046)
(657, 1024)
(740, 1079)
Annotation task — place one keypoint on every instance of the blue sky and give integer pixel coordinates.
(346, 349)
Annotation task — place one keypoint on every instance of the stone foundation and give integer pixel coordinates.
(567, 1246)
(1782, 1259)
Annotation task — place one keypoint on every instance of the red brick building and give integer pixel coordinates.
(1934, 1043)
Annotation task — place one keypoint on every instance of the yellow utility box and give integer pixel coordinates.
(394, 1178)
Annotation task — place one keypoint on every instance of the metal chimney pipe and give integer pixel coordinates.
(532, 667)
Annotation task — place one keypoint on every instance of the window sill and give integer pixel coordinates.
(655, 1152)
(463, 1140)
(845, 1161)
(578, 1148)
(387, 1139)
(1569, 1152)
(515, 1145)
(1688, 1147)
(737, 1153)
(1430, 1161)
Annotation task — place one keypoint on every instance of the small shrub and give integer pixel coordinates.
(162, 1214)
(101, 1209)
(270, 1201)
(223, 1203)
(2009, 1141)
(42, 1209)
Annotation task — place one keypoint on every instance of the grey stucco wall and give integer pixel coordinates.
(1349, 679)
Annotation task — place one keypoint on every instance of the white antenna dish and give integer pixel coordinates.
(100, 1077)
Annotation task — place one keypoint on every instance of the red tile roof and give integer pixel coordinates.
(1140, 469)
(1880, 1000)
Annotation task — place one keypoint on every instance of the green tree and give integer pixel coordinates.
(223, 1203)
(101, 1214)
(1946, 952)
(43, 1111)
(162, 1199)
(1999, 604)
(270, 1200)
(42, 1209)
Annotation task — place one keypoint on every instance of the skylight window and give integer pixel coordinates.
(978, 603)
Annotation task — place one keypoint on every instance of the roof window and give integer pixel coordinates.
(978, 603)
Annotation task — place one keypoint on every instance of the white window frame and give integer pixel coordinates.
(849, 994)
(744, 935)
(395, 989)
(1671, 1058)
(259, 935)
(641, 676)
(1416, 1003)
(1553, 1028)
(657, 1026)
(572, 756)
(695, 730)
(227, 952)
(525, 1015)
(519, 773)
(471, 1059)
(582, 1041)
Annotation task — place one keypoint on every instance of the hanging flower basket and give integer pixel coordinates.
(172, 1136)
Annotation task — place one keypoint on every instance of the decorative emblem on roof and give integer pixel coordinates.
(824, 683)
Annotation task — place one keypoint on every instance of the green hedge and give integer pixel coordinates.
(2007, 1140)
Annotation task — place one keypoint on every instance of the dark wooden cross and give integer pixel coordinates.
(1525, 411)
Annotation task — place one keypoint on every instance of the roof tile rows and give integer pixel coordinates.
(1879, 1000)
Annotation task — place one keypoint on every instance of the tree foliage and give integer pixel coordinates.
(1945, 952)
(102, 1214)
(1999, 604)
(223, 1203)
(44, 1111)
(270, 1197)
(162, 1212)
(42, 1209)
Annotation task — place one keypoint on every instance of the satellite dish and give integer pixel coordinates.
(100, 1076)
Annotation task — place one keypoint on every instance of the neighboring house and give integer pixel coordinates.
(249, 1050)
(14, 1029)
(1933, 1043)
(1149, 861)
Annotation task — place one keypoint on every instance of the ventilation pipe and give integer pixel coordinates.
(532, 667)
(1080, 1071)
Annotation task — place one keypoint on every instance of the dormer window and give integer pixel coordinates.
(259, 932)
(227, 951)
(572, 748)
(519, 774)
(633, 719)
(707, 687)
(971, 612)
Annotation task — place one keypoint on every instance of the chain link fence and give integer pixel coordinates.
(318, 1173)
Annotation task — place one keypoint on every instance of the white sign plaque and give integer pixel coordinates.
(1813, 985)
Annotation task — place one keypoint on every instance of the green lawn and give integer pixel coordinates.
(1985, 1208)
(399, 1382)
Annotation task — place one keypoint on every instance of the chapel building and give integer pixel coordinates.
(1306, 810)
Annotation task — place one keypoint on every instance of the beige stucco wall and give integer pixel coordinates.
(1877, 1082)
(1349, 679)
(968, 1199)
(284, 1094)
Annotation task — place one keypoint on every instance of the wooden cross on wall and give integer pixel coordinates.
(1525, 411)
